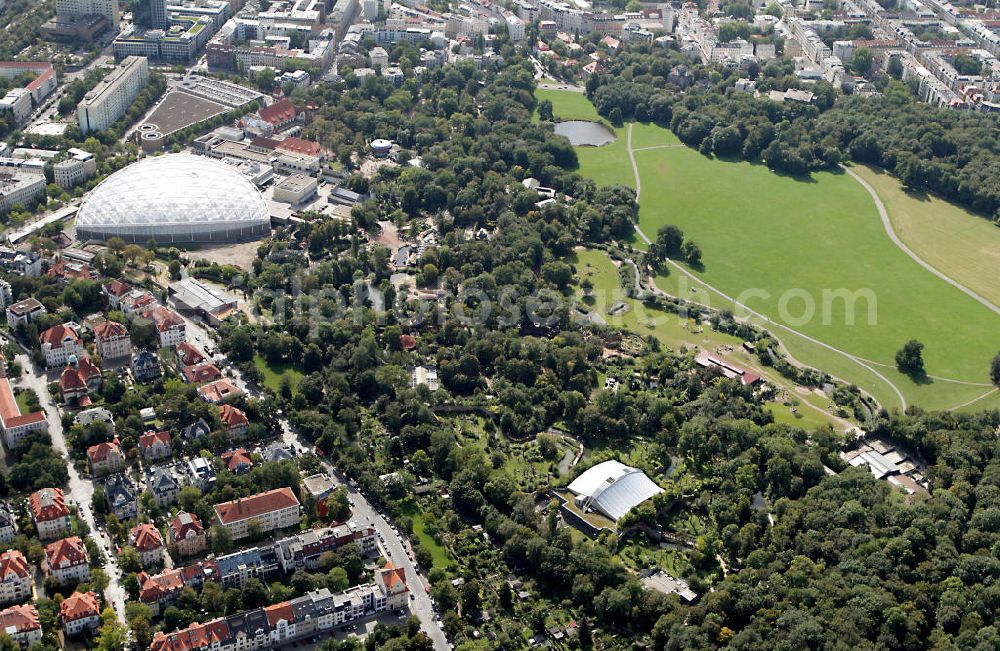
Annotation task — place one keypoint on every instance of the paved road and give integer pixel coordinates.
(81, 490)
(363, 512)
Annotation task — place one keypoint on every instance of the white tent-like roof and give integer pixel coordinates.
(613, 489)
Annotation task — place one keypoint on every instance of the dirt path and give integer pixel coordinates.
(887, 223)
(750, 312)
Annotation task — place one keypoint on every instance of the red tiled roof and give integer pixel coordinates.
(77, 377)
(265, 143)
(55, 335)
(109, 330)
(232, 416)
(188, 354)
(99, 453)
(219, 390)
(154, 588)
(79, 605)
(145, 538)
(236, 458)
(300, 146)
(407, 342)
(48, 504)
(164, 318)
(70, 549)
(13, 562)
(184, 523)
(21, 618)
(64, 269)
(393, 577)
(117, 288)
(195, 636)
(255, 505)
(149, 438)
(201, 373)
(279, 112)
(277, 612)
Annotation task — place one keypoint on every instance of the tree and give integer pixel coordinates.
(222, 540)
(691, 253)
(861, 62)
(995, 370)
(129, 560)
(113, 634)
(545, 110)
(909, 358)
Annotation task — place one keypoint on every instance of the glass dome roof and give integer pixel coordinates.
(176, 194)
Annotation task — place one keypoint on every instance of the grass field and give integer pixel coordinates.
(789, 241)
(959, 243)
(440, 554)
(275, 373)
(676, 333)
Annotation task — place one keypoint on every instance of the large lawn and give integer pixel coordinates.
(781, 244)
(274, 374)
(962, 245)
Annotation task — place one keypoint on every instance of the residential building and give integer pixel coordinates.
(20, 263)
(277, 452)
(80, 166)
(24, 312)
(6, 294)
(112, 340)
(234, 420)
(237, 461)
(112, 96)
(101, 415)
(199, 473)
(198, 430)
(268, 511)
(219, 391)
(21, 624)
(145, 366)
(41, 86)
(425, 376)
(108, 9)
(188, 355)
(80, 612)
(67, 270)
(285, 623)
(169, 326)
(67, 561)
(164, 486)
(59, 342)
(15, 577)
(201, 373)
(149, 543)
(115, 291)
(15, 425)
(106, 458)
(8, 523)
(137, 302)
(50, 513)
(77, 381)
(120, 494)
(155, 446)
(187, 534)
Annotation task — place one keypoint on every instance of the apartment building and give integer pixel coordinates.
(112, 96)
(50, 513)
(268, 511)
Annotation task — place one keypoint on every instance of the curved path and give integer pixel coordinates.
(887, 223)
(857, 360)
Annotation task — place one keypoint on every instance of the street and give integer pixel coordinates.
(363, 511)
(79, 489)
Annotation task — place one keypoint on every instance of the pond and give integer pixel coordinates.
(583, 133)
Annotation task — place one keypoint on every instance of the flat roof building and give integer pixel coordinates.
(112, 96)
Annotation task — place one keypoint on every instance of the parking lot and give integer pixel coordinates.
(178, 109)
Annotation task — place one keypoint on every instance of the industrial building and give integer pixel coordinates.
(175, 198)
